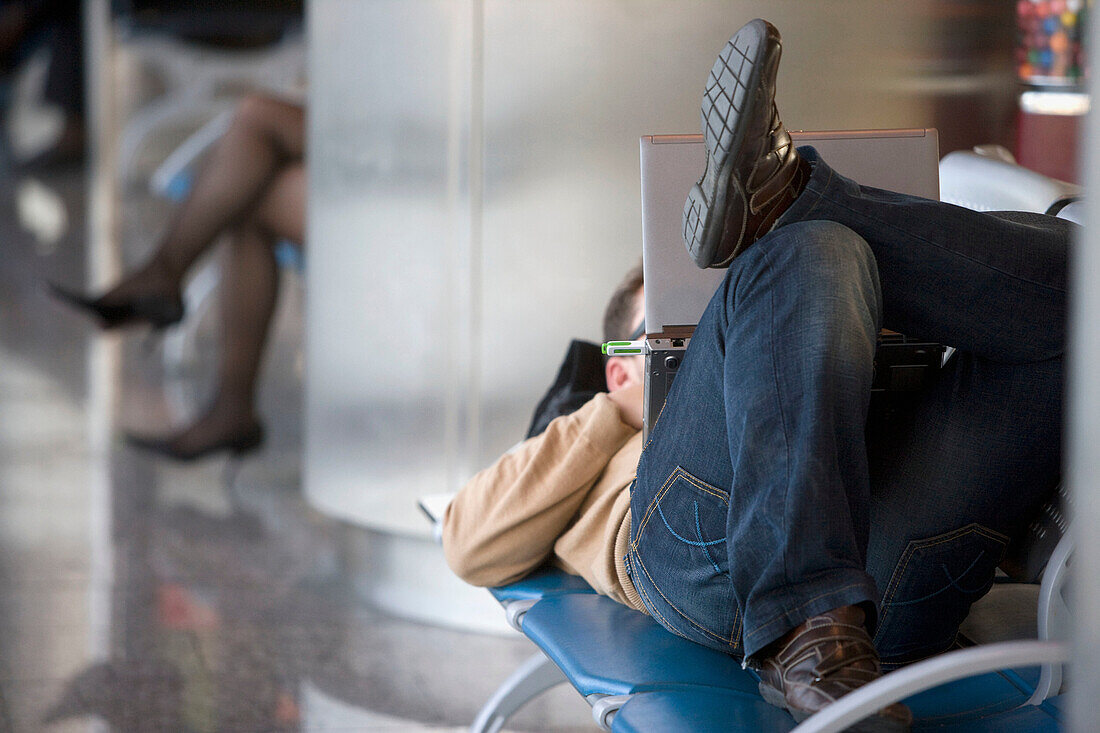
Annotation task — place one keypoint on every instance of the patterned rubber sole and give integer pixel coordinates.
(726, 104)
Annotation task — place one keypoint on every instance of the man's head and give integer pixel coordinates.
(621, 321)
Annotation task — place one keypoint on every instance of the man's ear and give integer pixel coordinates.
(618, 376)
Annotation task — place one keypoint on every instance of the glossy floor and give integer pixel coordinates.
(141, 595)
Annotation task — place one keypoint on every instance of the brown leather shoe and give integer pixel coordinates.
(825, 658)
(753, 172)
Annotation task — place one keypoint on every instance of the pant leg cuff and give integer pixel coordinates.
(801, 209)
(778, 612)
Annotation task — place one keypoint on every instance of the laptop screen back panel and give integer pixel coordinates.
(676, 291)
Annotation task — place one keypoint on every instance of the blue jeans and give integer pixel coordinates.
(760, 500)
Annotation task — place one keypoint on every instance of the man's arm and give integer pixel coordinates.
(503, 524)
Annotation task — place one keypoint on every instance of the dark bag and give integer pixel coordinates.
(579, 379)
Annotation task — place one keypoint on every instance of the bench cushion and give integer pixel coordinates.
(541, 584)
(603, 647)
(699, 710)
(972, 697)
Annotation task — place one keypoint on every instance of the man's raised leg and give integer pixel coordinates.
(993, 284)
(993, 288)
(749, 513)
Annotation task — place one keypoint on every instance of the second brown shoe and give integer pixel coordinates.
(824, 659)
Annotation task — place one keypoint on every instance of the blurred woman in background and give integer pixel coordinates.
(252, 188)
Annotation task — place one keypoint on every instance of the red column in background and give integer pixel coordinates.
(1048, 143)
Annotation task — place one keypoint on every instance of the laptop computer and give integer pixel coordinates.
(677, 292)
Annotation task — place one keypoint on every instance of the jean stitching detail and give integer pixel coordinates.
(676, 608)
(649, 510)
(955, 581)
(888, 603)
(951, 583)
(701, 543)
(704, 486)
(652, 608)
(648, 602)
(699, 534)
(677, 473)
(766, 261)
(912, 548)
(672, 605)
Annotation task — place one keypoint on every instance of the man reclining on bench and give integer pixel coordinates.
(759, 519)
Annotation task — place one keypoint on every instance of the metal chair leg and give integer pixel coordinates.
(535, 676)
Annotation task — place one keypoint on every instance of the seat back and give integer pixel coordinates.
(987, 183)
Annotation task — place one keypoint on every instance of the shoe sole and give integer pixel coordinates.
(237, 447)
(158, 312)
(723, 119)
(873, 724)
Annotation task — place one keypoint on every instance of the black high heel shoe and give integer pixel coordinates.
(238, 444)
(159, 311)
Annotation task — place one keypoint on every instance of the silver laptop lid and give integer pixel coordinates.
(676, 291)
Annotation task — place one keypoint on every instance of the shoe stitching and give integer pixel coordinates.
(792, 652)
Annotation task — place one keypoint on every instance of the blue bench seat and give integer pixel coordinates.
(640, 678)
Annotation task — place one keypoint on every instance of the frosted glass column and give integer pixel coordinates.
(474, 194)
(389, 310)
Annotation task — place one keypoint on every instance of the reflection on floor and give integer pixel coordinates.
(138, 595)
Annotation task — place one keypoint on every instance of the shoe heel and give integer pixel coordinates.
(246, 443)
(696, 216)
(160, 312)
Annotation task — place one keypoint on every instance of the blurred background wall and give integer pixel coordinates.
(474, 192)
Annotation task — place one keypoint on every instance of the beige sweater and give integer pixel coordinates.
(561, 497)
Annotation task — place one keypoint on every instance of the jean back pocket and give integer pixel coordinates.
(931, 589)
(679, 561)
